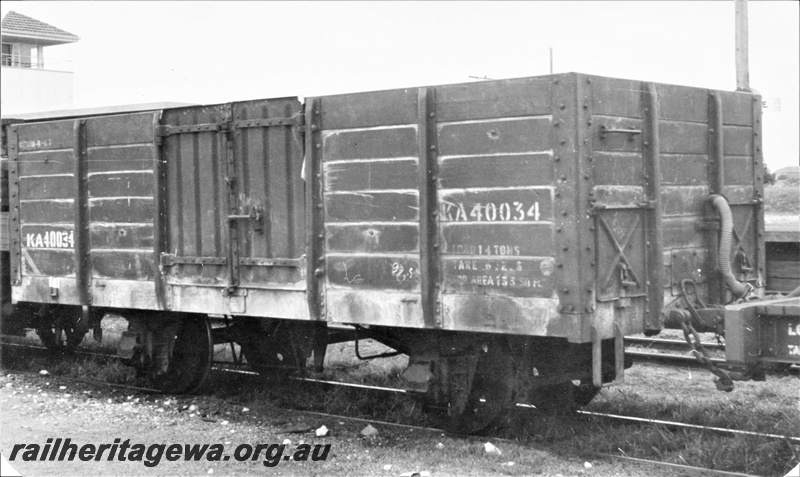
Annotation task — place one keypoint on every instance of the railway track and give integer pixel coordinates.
(495, 439)
(227, 367)
(668, 351)
(655, 463)
(683, 425)
(669, 358)
(673, 352)
(661, 343)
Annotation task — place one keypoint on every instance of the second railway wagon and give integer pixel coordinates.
(504, 234)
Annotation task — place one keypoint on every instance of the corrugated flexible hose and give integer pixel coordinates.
(737, 288)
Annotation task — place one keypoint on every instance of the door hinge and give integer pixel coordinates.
(169, 260)
(297, 120)
(164, 131)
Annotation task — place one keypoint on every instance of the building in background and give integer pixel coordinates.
(32, 82)
(791, 173)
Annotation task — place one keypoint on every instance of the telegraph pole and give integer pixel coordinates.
(742, 54)
(551, 60)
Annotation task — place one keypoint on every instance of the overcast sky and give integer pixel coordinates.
(212, 52)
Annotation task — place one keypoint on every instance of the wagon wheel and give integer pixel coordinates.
(268, 356)
(190, 362)
(60, 331)
(492, 394)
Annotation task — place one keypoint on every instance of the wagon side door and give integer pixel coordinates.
(266, 211)
(235, 206)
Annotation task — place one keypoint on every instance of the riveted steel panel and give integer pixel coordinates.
(48, 184)
(424, 212)
(85, 196)
(369, 160)
(577, 187)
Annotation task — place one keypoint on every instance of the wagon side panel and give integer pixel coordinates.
(369, 174)
(121, 160)
(496, 219)
(84, 196)
(438, 208)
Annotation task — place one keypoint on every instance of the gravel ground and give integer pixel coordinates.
(35, 408)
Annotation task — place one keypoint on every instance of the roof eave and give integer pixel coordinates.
(50, 39)
(38, 40)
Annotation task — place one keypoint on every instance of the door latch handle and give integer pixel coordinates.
(256, 218)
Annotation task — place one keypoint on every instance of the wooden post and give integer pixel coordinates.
(742, 56)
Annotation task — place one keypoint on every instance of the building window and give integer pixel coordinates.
(6, 54)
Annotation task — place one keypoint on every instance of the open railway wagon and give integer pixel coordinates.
(505, 235)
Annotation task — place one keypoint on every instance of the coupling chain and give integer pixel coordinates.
(724, 382)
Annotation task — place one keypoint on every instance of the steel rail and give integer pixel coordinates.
(353, 385)
(630, 340)
(667, 357)
(700, 470)
(373, 421)
(587, 413)
(83, 352)
(688, 426)
(71, 379)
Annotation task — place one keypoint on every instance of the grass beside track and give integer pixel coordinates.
(768, 407)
